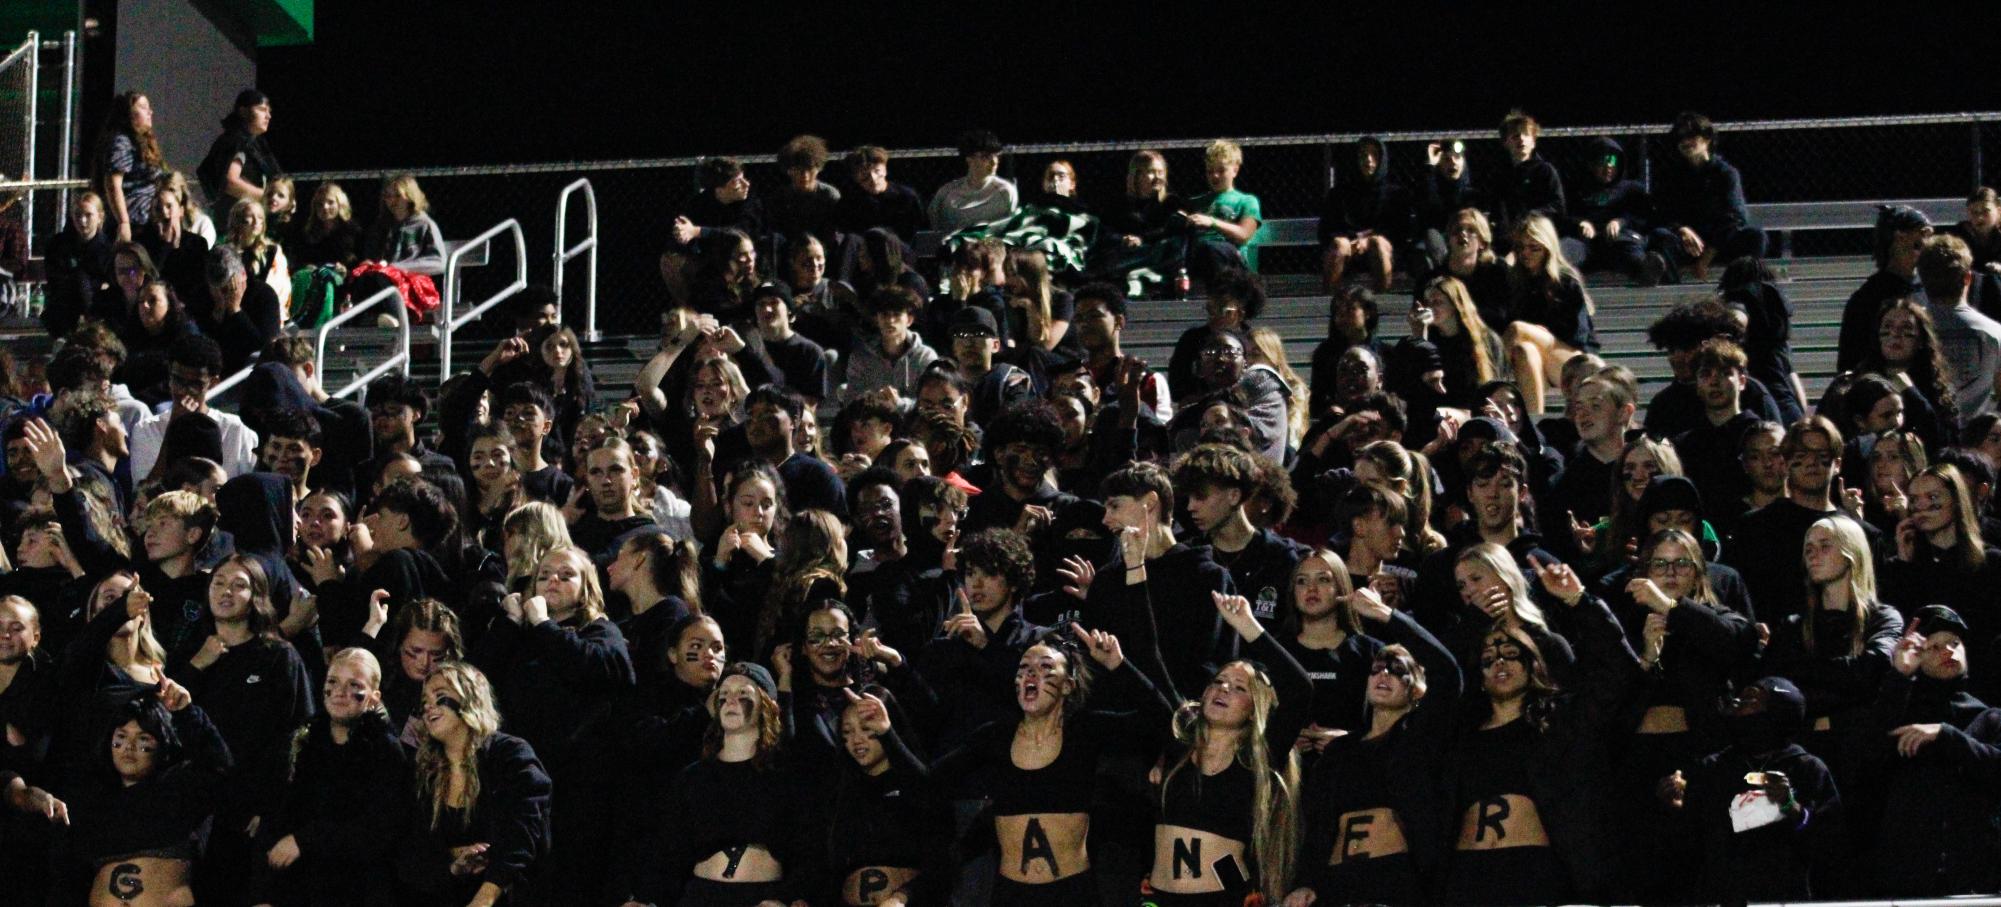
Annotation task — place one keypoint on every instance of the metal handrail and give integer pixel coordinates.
(452, 321)
(230, 381)
(402, 357)
(28, 149)
(1932, 119)
(589, 244)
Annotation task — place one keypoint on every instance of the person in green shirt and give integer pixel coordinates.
(1227, 220)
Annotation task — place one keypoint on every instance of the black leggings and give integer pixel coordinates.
(1080, 889)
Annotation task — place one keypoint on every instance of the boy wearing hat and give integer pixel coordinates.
(1763, 805)
(1936, 756)
(1699, 207)
(1610, 227)
(996, 385)
(1901, 232)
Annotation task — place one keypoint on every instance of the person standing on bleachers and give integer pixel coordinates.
(1700, 214)
(1446, 190)
(1679, 334)
(1901, 231)
(1971, 341)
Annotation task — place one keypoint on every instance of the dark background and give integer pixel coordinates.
(425, 83)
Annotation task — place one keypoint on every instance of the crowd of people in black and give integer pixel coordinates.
(1029, 621)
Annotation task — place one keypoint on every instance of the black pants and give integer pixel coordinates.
(1730, 246)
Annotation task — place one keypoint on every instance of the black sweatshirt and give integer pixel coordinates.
(1769, 863)
(258, 695)
(344, 807)
(166, 815)
(1168, 624)
(552, 679)
(511, 816)
(1935, 837)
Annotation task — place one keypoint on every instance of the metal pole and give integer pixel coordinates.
(66, 164)
(1978, 179)
(28, 156)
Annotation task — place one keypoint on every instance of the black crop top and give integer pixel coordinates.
(1223, 803)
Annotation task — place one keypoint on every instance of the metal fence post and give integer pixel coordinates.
(1974, 155)
(28, 162)
(65, 167)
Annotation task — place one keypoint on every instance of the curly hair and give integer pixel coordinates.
(1000, 552)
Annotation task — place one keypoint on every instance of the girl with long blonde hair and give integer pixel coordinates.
(1267, 348)
(1231, 792)
(1407, 472)
(1839, 644)
(1550, 310)
(263, 257)
(1445, 316)
(528, 534)
(481, 820)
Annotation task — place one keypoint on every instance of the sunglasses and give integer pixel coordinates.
(1491, 659)
(1396, 669)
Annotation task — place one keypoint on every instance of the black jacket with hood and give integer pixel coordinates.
(1355, 203)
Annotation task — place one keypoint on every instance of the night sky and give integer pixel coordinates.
(404, 83)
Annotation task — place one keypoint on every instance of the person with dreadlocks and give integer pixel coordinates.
(1229, 792)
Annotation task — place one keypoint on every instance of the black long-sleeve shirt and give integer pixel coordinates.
(511, 816)
(1168, 624)
(344, 807)
(258, 695)
(552, 679)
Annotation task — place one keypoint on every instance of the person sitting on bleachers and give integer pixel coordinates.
(875, 201)
(1352, 315)
(804, 204)
(1226, 219)
(1751, 289)
(1679, 334)
(1530, 186)
(404, 234)
(1609, 226)
(1469, 256)
(1700, 215)
(979, 197)
(1364, 216)
(1549, 310)
(1446, 190)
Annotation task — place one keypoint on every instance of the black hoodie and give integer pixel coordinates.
(344, 807)
(1622, 199)
(1356, 203)
(1935, 835)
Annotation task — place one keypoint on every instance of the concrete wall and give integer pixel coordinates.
(190, 57)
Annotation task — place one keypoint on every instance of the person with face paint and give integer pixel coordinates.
(1527, 779)
(425, 634)
(1941, 556)
(1936, 756)
(1019, 491)
(657, 729)
(1039, 768)
(345, 802)
(479, 825)
(1900, 235)
(901, 597)
(758, 850)
(1763, 808)
(1764, 546)
(138, 817)
(1496, 495)
(888, 835)
(1372, 818)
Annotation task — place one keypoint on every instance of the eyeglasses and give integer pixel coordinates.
(1395, 669)
(1490, 659)
(1678, 565)
(1223, 354)
(832, 637)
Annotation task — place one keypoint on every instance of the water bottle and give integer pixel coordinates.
(1181, 283)
(37, 299)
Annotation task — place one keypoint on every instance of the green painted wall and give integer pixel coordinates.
(50, 17)
(278, 23)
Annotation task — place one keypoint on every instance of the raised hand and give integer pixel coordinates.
(46, 447)
(781, 666)
(510, 606)
(211, 651)
(534, 610)
(1672, 790)
(870, 713)
(872, 648)
(1585, 536)
(966, 625)
(378, 613)
(1368, 605)
(174, 696)
(1649, 594)
(1558, 579)
(322, 566)
(1236, 611)
(573, 509)
(1103, 647)
(755, 545)
(1077, 574)
(1653, 638)
(1909, 649)
(504, 352)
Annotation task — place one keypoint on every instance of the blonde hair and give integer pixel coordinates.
(176, 182)
(590, 600)
(1344, 586)
(345, 209)
(1411, 472)
(1481, 228)
(1223, 151)
(1704, 592)
(542, 528)
(272, 186)
(1861, 580)
(433, 765)
(1028, 270)
(1455, 292)
(1268, 348)
(1542, 231)
(239, 228)
(405, 184)
(1275, 798)
(1497, 560)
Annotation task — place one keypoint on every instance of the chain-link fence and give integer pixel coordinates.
(1781, 160)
